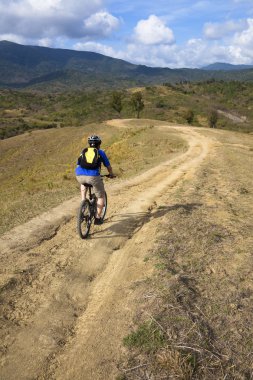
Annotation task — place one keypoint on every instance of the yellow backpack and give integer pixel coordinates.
(89, 159)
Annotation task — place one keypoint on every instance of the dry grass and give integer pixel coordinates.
(142, 147)
(203, 288)
(37, 168)
(179, 366)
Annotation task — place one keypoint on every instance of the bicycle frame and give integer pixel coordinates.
(92, 199)
(87, 211)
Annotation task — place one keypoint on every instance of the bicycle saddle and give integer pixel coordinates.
(87, 185)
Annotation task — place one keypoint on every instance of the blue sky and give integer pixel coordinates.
(165, 33)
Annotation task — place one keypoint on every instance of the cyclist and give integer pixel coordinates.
(92, 176)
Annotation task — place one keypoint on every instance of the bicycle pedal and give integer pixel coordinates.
(98, 221)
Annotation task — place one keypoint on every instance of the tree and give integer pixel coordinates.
(116, 102)
(189, 116)
(213, 118)
(137, 103)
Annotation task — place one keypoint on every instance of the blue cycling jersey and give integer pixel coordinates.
(94, 172)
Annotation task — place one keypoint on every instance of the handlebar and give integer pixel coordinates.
(108, 176)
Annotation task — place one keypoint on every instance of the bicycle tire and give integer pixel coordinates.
(104, 208)
(84, 219)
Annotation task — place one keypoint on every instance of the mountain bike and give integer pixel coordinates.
(87, 211)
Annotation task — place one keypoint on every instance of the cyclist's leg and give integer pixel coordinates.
(104, 208)
(82, 179)
(100, 205)
(99, 190)
(83, 192)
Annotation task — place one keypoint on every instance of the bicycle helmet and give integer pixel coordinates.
(94, 140)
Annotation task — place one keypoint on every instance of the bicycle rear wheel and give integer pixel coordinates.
(104, 208)
(84, 219)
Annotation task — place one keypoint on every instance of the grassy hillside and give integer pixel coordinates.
(41, 160)
(195, 315)
(226, 67)
(37, 168)
(23, 111)
(23, 66)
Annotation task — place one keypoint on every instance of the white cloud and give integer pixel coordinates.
(242, 44)
(217, 31)
(102, 22)
(83, 23)
(73, 7)
(97, 48)
(45, 5)
(12, 37)
(150, 48)
(151, 44)
(153, 31)
(49, 8)
(45, 42)
(52, 19)
(245, 37)
(165, 55)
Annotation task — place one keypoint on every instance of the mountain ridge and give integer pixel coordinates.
(226, 66)
(26, 66)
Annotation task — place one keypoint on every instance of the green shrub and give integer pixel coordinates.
(147, 337)
(189, 116)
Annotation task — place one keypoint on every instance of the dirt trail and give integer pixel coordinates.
(67, 303)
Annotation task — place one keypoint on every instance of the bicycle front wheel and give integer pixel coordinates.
(84, 219)
(104, 208)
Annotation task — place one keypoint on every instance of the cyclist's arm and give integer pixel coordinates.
(106, 162)
(110, 171)
(78, 160)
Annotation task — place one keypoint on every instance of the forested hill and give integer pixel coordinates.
(226, 67)
(46, 69)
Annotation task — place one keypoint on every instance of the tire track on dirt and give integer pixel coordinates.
(91, 324)
(71, 279)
